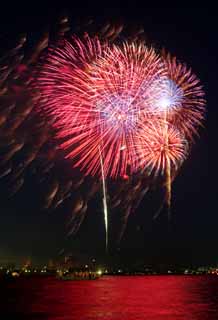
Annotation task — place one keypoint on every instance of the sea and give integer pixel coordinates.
(159, 297)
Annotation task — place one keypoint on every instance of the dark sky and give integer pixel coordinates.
(190, 34)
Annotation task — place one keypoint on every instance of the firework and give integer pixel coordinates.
(161, 149)
(111, 109)
(98, 94)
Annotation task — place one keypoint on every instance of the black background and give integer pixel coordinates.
(191, 34)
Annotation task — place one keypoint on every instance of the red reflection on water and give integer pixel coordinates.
(117, 298)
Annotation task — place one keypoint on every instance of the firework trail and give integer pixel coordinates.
(105, 207)
(168, 167)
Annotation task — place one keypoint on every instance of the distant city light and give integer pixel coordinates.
(15, 274)
(99, 272)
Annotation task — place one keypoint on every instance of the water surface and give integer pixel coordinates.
(111, 298)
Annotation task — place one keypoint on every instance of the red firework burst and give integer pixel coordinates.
(98, 96)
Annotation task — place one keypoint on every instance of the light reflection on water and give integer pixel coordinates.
(112, 298)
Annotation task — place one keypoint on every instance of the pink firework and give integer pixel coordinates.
(98, 96)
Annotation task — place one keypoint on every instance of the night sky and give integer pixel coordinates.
(192, 237)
